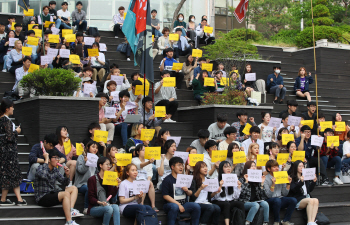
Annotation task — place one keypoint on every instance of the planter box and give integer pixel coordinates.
(42, 115)
(202, 116)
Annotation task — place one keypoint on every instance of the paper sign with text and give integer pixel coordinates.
(197, 53)
(298, 155)
(55, 30)
(47, 24)
(250, 76)
(139, 186)
(183, 180)
(246, 129)
(177, 66)
(287, 138)
(33, 67)
(110, 178)
(32, 41)
(110, 112)
(262, 159)
(225, 81)
(316, 140)
(75, 59)
(340, 126)
(54, 38)
(213, 185)
(89, 40)
(12, 41)
(30, 12)
(52, 52)
(209, 82)
(309, 173)
(118, 79)
(173, 37)
(159, 111)
(332, 140)
(310, 123)
(89, 88)
(139, 90)
(194, 158)
(153, 152)
(115, 95)
(70, 38)
(230, 180)
(182, 155)
(66, 31)
(100, 135)
(325, 125)
(103, 47)
(218, 155)
(45, 60)
(64, 53)
(275, 122)
(91, 160)
(79, 148)
(239, 157)
(67, 147)
(169, 81)
(282, 158)
(208, 30)
(27, 51)
(38, 32)
(255, 175)
(176, 139)
(256, 95)
(147, 134)
(294, 120)
(123, 159)
(93, 52)
(281, 177)
(207, 66)
(30, 26)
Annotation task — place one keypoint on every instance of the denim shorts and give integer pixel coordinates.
(297, 206)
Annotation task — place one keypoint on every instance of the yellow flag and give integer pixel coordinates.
(332, 140)
(27, 51)
(75, 59)
(38, 32)
(147, 134)
(194, 158)
(262, 159)
(340, 126)
(197, 53)
(30, 26)
(310, 123)
(32, 41)
(173, 37)
(152, 152)
(208, 30)
(70, 37)
(124, 15)
(160, 111)
(177, 66)
(30, 12)
(54, 38)
(218, 155)
(207, 66)
(325, 125)
(123, 159)
(139, 90)
(100, 135)
(239, 157)
(298, 155)
(33, 67)
(47, 24)
(282, 158)
(287, 138)
(281, 177)
(93, 52)
(79, 148)
(110, 178)
(209, 82)
(246, 129)
(67, 147)
(66, 31)
(169, 81)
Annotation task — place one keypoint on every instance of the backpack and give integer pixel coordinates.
(122, 47)
(146, 218)
(183, 218)
(11, 95)
(92, 31)
(321, 219)
(27, 186)
(237, 217)
(259, 217)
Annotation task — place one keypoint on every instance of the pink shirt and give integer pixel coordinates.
(101, 114)
(72, 153)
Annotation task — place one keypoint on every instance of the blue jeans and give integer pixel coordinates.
(106, 212)
(122, 130)
(131, 210)
(279, 92)
(280, 203)
(5, 59)
(172, 209)
(155, 172)
(84, 190)
(253, 208)
(208, 211)
(156, 32)
(347, 160)
(83, 25)
(335, 161)
(34, 58)
(60, 23)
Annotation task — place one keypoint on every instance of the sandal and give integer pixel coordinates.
(155, 209)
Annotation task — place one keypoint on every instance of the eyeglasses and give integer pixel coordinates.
(56, 157)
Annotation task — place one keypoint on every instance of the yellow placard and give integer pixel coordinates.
(123, 159)
(38, 32)
(209, 82)
(310, 123)
(79, 148)
(30, 12)
(207, 66)
(173, 37)
(142, 80)
(332, 140)
(197, 53)
(194, 158)
(147, 134)
(33, 67)
(75, 59)
(32, 41)
(287, 138)
(169, 81)
(218, 155)
(54, 38)
(208, 30)
(100, 135)
(152, 152)
(281, 177)
(152, 38)
(30, 26)
(239, 157)
(159, 111)
(13, 26)
(93, 52)
(177, 66)
(124, 15)
(246, 129)
(262, 159)
(47, 24)
(110, 178)
(340, 126)
(282, 158)
(325, 125)
(298, 155)
(225, 81)
(66, 31)
(70, 37)
(67, 147)
(139, 90)
(27, 51)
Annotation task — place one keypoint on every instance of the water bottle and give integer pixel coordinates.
(160, 222)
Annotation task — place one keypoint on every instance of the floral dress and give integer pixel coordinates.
(10, 173)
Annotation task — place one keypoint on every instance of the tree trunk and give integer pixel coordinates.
(177, 10)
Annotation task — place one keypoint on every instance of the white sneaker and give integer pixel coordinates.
(170, 121)
(115, 36)
(70, 184)
(336, 180)
(128, 59)
(85, 211)
(72, 222)
(4, 70)
(76, 213)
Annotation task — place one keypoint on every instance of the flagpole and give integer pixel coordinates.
(144, 79)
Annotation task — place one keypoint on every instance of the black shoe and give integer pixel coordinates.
(6, 203)
(281, 102)
(24, 202)
(275, 102)
(326, 182)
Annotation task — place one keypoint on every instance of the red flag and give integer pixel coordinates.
(140, 10)
(241, 10)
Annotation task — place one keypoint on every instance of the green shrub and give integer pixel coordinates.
(346, 38)
(321, 11)
(322, 21)
(230, 96)
(321, 2)
(241, 34)
(52, 82)
(286, 36)
(344, 28)
(304, 38)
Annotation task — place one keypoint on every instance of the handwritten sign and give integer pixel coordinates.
(230, 180)
(256, 95)
(255, 175)
(139, 186)
(110, 112)
(246, 129)
(325, 125)
(30, 12)
(32, 41)
(176, 139)
(139, 90)
(294, 120)
(67, 147)
(250, 76)
(100, 135)
(213, 185)
(225, 81)
(89, 88)
(45, 60)
(33, 67)
(209, 82)
(12, 41)
(91, 159)
(160, 111)
(47, 24)
(89, 40)
(298, 155)
(54, 38)
(110, 178)
(282, 158)
(316, 140)
(219, 155)
(152, 152)
(309, 123)
(38, 32)
(287, 138)
(169, 81)
(208, 30)
(75, 59)
(332, 140)
(197, 53)
(66, 31)
(173, 37)
(52, 52)
(309, 173)
(239, 157)
(262, 159)
(207, 66)
(27, 51)
(123, 159)
(103, 47)
(182, 155)
(79, 148)
(177, 66)
(147, 134)
(340, 126)
(183, 180)
(194, 158)
(275, 122)
(70, 37)
(65, 53)
(281, 177)
(55, 30)
(93, 52)
(30, 26)
(118, 79)
(115, 95)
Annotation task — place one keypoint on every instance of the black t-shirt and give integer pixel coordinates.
(286, 111)
(253, 196)
(21, 37)
(53, 12)
(168, 188)
(241, 131)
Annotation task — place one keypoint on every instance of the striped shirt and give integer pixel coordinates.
(14, 56)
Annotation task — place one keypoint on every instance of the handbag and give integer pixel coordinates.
(146, 218)
(122, 47)
(322, 219)
(101, 193)
(183, 218)
(27, 186)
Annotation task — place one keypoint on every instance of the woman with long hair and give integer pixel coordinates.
(162, 138)
(164, 42)
(188, 69)
(135, 138)
(283, 148)
(267, 134)
(336, 117)
(236, 168)
(199, 88)
(301, 85)
(111, 151)
(5, 48)
(249, 85)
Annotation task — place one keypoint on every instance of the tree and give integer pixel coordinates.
(176, 12)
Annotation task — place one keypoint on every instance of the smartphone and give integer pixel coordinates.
(19, 124)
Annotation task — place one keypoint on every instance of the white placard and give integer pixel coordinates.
(103, 47)
(255, 175)
(55, 30)
(52, 53)
(183, 180)
(115, 95)
(256, 95)
(89, 40)
(45, 60)
(110, 112)
(88, 88)
(140, 186)
(230, 180)
(91, 160)
(213, 185)
(309, 174)
(64, 53)
(294, 120)
(12, 41)
(176, 139)
(182, 155)
(118, 79)
(316, 140)
(250, 76)
(102, 57)
(130, 105)
(275, 122)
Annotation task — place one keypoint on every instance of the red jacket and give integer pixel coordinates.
(332, 153)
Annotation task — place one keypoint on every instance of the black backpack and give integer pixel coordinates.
(259, 217)
(147, 218)
(322, 219)
(92, 31)
(183, 218)
(237, 217)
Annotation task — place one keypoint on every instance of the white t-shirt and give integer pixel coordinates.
(346, 149)
(224, 145)
(202, 197)
(65, 14)
(126, 189)
(267, 133)
(246, 143)
(167, 170)
(234, 196)
(145, 172)
(210, 164)
(198, 146)
(281, 126)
